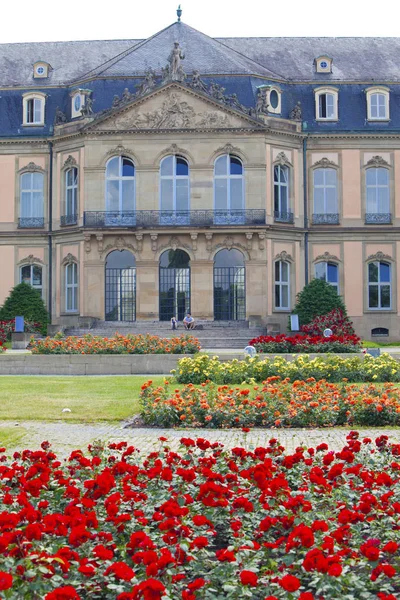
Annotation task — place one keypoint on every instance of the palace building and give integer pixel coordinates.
(141, 179)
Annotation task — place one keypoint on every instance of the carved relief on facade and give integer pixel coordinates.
(193, 237)
(377, 161)
(32, 168)
(261, 240)
(31, 260)
(69, 259)
(119, 150)
(88, 243)
(282, 160)
(379, 256)
(174, 243)
(69, 163)
(249, 238)
(284, 256)
(209, 237)
(119, 244)
(228, 243)
(327, 257)
(325, 163)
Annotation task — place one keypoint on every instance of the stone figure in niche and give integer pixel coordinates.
(59, 117)
(295, 113)
(197, 83)
(176, 72)
(87, 108)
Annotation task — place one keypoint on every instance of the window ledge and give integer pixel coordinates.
(380, 310)
(281, 310)
(33, 124)
(326, 120)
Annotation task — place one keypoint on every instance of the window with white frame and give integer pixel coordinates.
(282, 285)
(174, 186)
(228, 183)
(378, 104)
(281, 191)
(32, 198)
(71, 192)
(325, 191)
(33, 108)
(32, 274)
(379, 285)
(71, 287)
(326, 104)
(274, 100)
(329, 272)
(378, 190)
(120, 185)
(77, 103)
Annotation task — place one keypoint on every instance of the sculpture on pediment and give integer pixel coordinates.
(175, 70)
(173, 113)
(213, 119)
(377, 161)
(216, 91)
(87, 108)
(126, 96)
(197, 84)
(116, 101)
(295, 113)
(261, 101)
(233, 102)
(60, 117)
(148, 84)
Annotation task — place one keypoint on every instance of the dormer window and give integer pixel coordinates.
(33, 108)
(77, 103)
(326, 104)
(323, 64)
(378, 104)
(274, 100)
(41, 70)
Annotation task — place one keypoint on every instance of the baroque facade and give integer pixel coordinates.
(141, 179)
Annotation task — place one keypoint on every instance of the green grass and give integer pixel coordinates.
(370, 344)
(10, 436)
(90, 399)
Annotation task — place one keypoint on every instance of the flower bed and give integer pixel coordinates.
(202, 523)
(7, 327)
(120, 344)
(203, 368)
(299, 343)
(276, 403)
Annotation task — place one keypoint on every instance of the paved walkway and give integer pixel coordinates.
(65, 437)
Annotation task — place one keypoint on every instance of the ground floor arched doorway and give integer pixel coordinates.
(229, 286)
(174, 278)
(120, 286)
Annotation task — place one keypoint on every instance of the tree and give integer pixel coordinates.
(317, 298)
(27, 302)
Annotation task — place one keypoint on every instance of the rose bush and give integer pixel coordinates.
(7, 327)
(299, 343)
(275, 403)
(120, 344)
(202, 523)
(203, 368)
(335, 320)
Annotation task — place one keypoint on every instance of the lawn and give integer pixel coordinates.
(89, 398)
(10, 436)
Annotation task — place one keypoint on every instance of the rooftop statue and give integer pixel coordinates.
(174, 71)
(295, 113)
(197, 83)
(59, 117)
(87, 108)
(148, 84)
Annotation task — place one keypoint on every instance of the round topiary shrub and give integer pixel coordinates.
(317, 298)
(27, 302)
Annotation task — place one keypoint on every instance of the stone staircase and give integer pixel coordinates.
(211, 334)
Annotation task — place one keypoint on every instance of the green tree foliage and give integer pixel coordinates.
(27, 302)
(317, 298)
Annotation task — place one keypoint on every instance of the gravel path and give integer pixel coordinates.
(65, 437)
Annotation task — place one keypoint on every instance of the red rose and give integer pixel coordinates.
(199, 542)
(121, 571)
(306, 596)
(335, 570)
(391, 547)
(151, 589)
(197, 584)
(290, 583)
(103, 553)
(6, 580)
(63, 593)
(248, 578)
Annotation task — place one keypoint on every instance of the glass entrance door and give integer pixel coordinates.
(229, 286)
(120, 287)
(174, 284)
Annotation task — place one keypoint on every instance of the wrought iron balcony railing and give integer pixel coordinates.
(283, 217)
(31, 223)
(325, 219)
(148, 219)
(378, 218)
(68, 220)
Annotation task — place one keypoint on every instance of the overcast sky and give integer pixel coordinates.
(49, 20)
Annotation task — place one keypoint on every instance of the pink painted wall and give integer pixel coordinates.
(353, 278)
(351, 173)
(7, 271)
(7, 188)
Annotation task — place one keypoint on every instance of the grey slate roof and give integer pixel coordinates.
(354, 59)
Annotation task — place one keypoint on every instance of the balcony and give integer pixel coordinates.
(325, 219)
(31, 223)
(68, 220)
(148, 219)
(283, 217)
(378, 218)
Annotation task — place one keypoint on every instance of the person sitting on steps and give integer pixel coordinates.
(188, 322)
(174, 323)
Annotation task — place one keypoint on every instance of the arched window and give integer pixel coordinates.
(228, 191)
(328, 271)
(120, 191)
(32, 274)
(174, 190)
(229, 286)
(32, 200)
(174, 284)
(71, 287)
(379, 285)
(71, 197)
(378, 104)
(325, 196)
(281, 194)
(120, 286)
(282, 285)
(378, 195)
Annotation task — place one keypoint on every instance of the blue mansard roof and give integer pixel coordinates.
(240, 65)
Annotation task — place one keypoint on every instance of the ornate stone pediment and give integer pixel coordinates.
(174, 243)
(284, 256)
(172, 107)
(31, 260)
(326, 257)
(69, 259)
(282, 160)
(325, 163)
(379, 256)
(69, 163)
(119, 244)
(377, 161)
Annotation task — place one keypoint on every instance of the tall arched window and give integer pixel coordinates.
(174, 191)
(228, 191)
(120, 286)
(71, 197)
(325, 196)
(32, 200)
(229, 286)
(32, 274)
(378, 195)
(282, 285)
(281, 194)
(379, 285)
(174, 284)
(328, 271)
(120, 191)
(71, 287)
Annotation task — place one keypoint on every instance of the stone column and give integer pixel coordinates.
(93, 281)
(202, 289)
(147, 290)
(256, 290)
